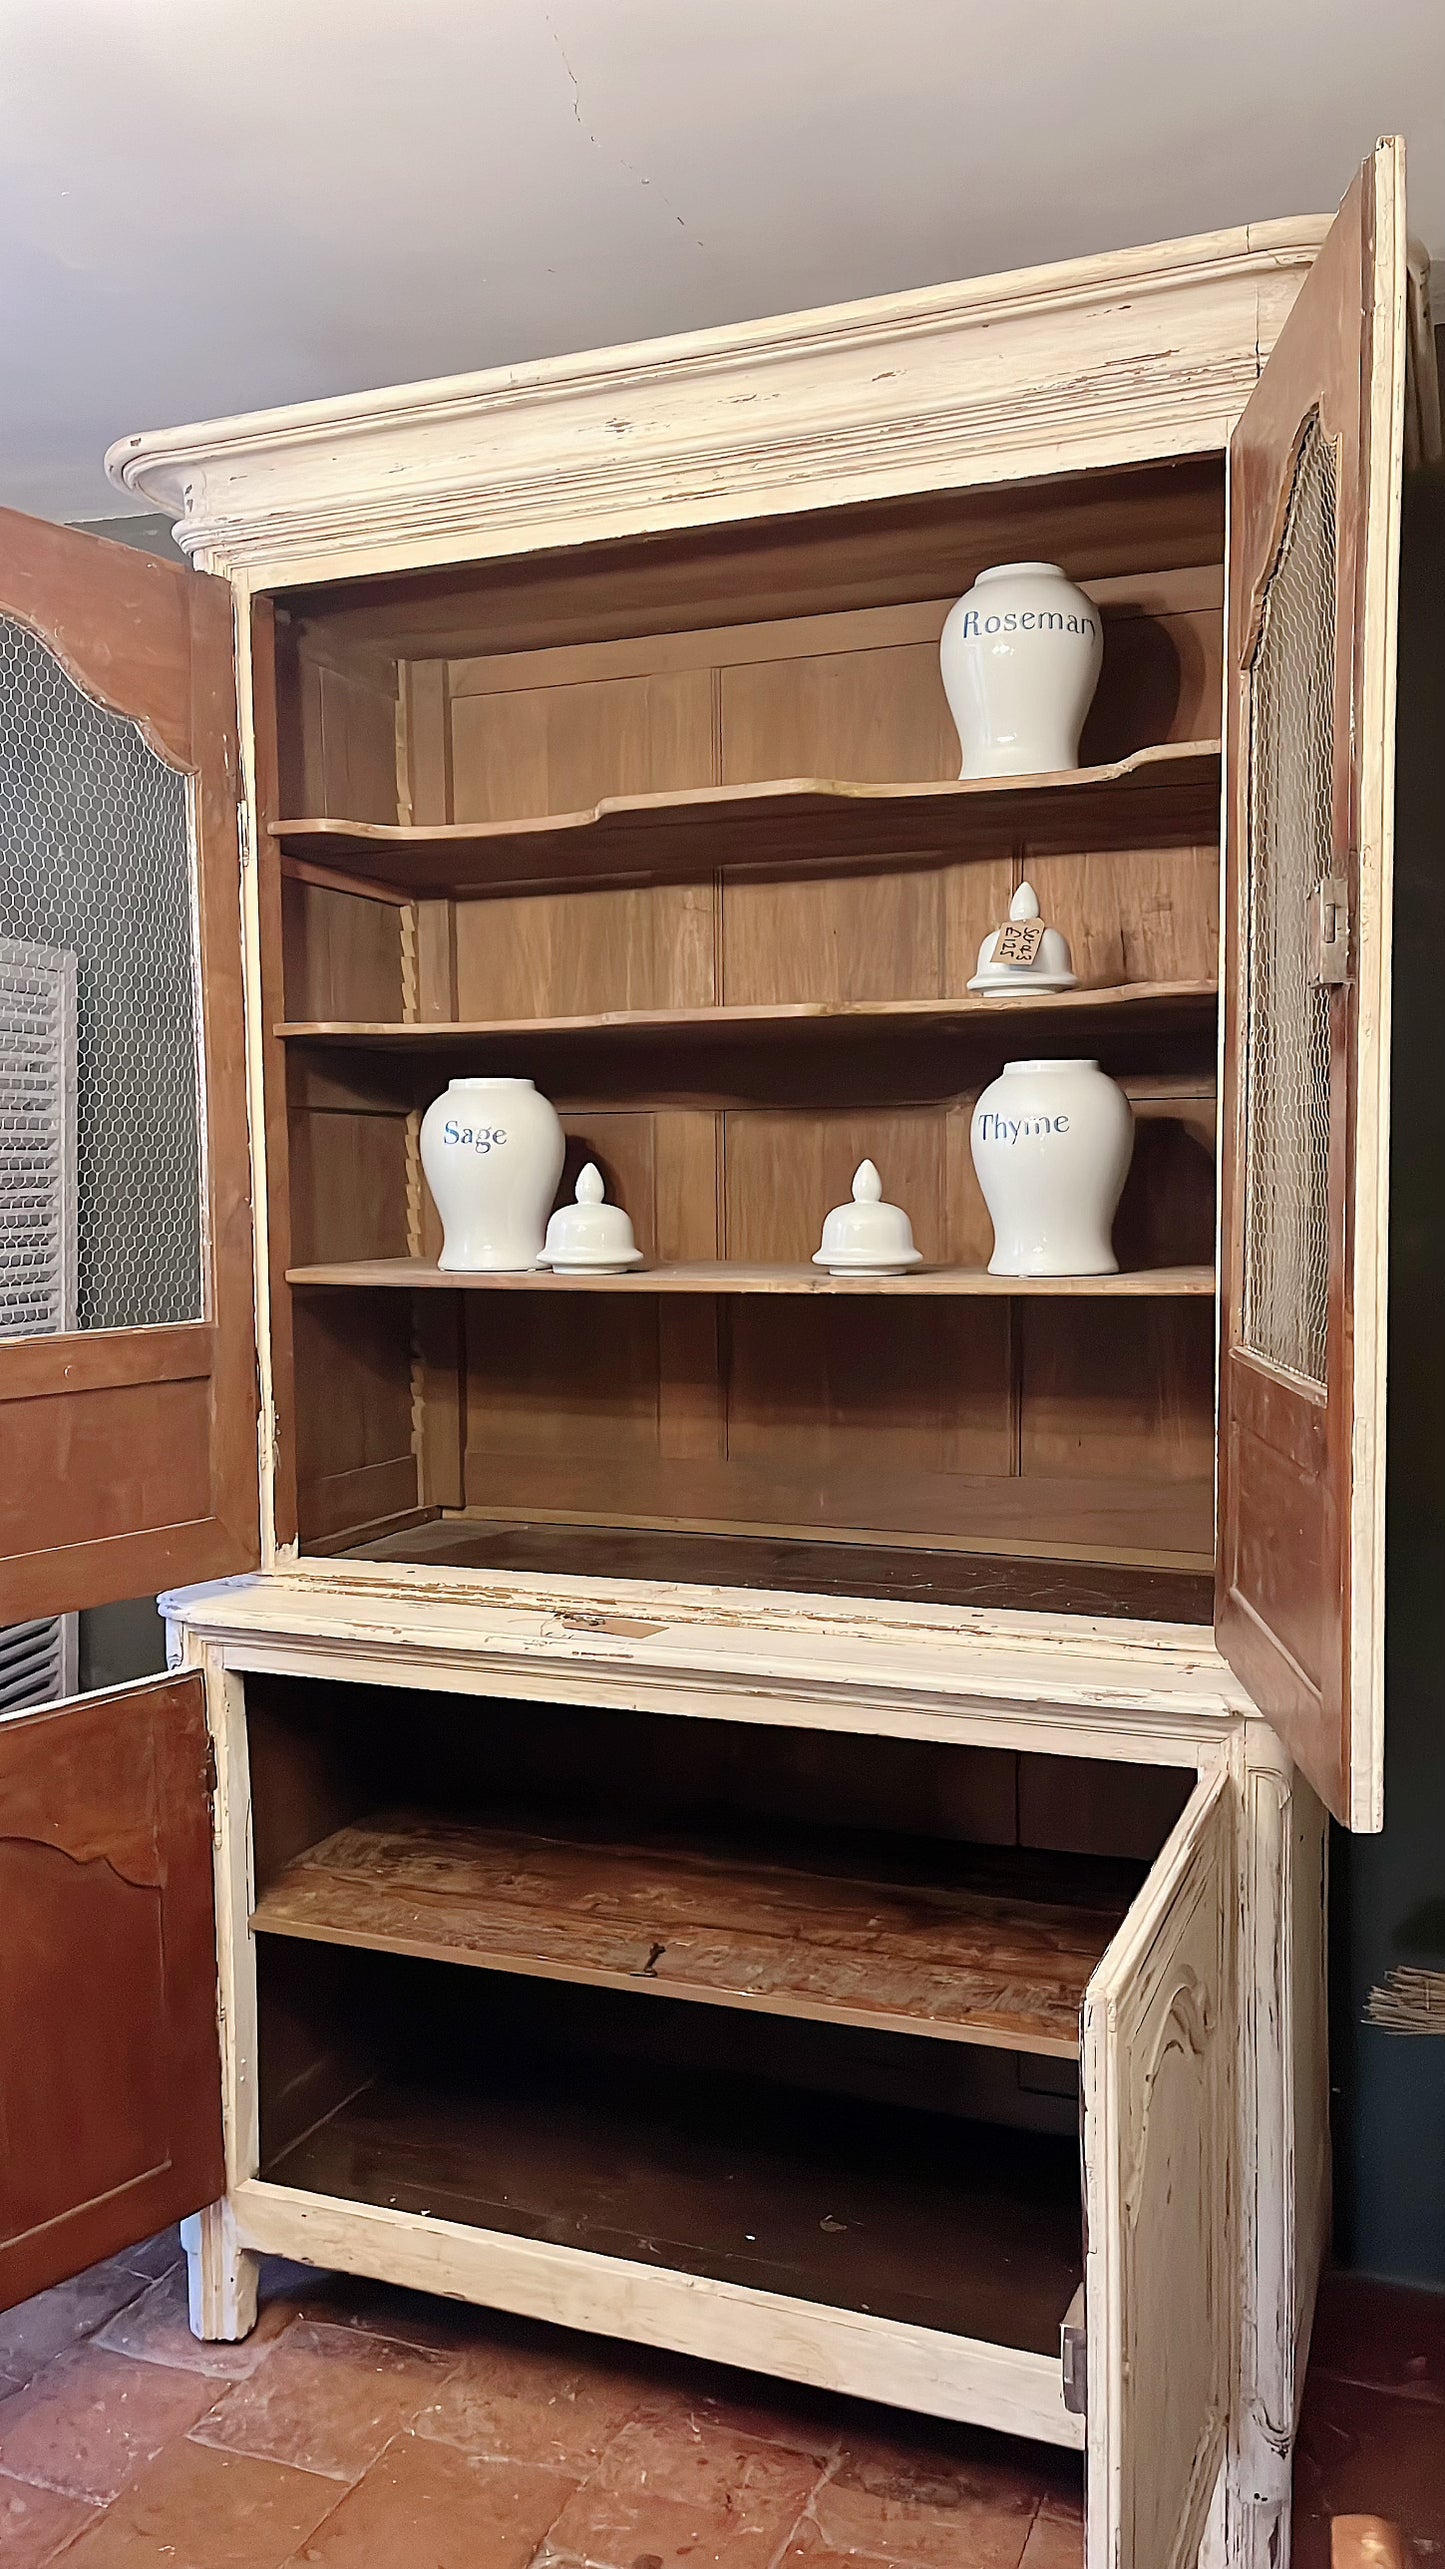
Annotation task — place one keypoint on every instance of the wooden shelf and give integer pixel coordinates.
(968, 2228)
(1140, 1006)
(985, 1946)
(422, 1275)
(1160, 797)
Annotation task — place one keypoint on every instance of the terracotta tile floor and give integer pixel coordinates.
(364, 2428)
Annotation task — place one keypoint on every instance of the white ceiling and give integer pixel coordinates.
(208, 205)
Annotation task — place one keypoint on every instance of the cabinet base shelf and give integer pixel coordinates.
(970, 2230)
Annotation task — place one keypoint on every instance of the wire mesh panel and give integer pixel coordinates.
(96, 860)
(1289, 855)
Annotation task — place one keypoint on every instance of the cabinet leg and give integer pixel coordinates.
(222, 2275)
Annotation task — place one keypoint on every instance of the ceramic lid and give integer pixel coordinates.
(867, 1234)
(1052, 967)
(591, 1232)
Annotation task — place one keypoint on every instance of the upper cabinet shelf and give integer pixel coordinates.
(407, 1275)
(1129, 1007)
(1160, 797)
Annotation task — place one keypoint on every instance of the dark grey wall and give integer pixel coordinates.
(142, 534)
(1388, 1900)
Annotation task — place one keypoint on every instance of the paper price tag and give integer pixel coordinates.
(1019, 941)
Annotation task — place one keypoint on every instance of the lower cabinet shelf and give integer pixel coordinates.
(977, 1946)
(968, 2228)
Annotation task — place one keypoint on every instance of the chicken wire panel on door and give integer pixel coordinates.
(1289, 855)
(96, 859)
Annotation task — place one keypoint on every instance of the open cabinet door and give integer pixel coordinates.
(1158, 2280)
(127, 1335)
(1314, 509)
(110, 2070)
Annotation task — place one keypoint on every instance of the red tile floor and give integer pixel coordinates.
(364, 2428)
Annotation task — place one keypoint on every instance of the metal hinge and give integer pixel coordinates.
(213, 1772)
(243, 828)
(1074, 2356)
(1332, 931)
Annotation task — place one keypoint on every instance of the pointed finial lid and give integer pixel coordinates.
(590, 1236)
(1024, 954)
(867, 1237)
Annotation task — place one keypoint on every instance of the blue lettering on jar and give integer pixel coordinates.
(1026, 620)
(993, 1127)
(487, 1137)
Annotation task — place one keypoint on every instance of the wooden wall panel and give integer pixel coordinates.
(355, 1465)
(348, 1186)
(339, 753)
(342, 955)
(1105, 1390)
(973, 1423)
(574, 954)
(570, 1386)
(1133, 915)
(1162, 679)
(871, 717)
(783, 1172)
(866, 1392)
(526, 751)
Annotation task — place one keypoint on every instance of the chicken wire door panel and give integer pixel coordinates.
(1314, 499)
(127, 1340)
(95, 858)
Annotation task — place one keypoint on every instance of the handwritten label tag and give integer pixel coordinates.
(1019, 941)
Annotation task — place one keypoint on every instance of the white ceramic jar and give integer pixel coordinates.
(1052, 1142)
(492, 1150)
(1021, 656)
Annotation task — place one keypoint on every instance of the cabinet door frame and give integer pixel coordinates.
(151, 642)
(1157, 2086)
(1300, 1581)
(110, 2119)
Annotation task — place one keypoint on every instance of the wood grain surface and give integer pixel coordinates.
(725, 1277)
(973, 1947)
(962, 2227)
(1168, 795)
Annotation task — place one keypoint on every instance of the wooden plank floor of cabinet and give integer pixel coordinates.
(967, 2227)
(988, 1947)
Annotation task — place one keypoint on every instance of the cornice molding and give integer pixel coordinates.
(1143, 353)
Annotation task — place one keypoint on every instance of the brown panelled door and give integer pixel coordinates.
(110, 2081)
(127, 1360)
(1315, 467)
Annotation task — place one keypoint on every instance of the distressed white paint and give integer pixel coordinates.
(1121, 359)
(799, 2341)
(1158, 2028)
(1110, 360)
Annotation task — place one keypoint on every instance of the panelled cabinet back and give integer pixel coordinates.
(722, 1786)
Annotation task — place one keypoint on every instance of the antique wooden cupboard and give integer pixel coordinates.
(717, 1779)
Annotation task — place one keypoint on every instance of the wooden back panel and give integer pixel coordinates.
(1087, 1435)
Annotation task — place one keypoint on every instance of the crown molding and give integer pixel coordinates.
(1141, 354)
